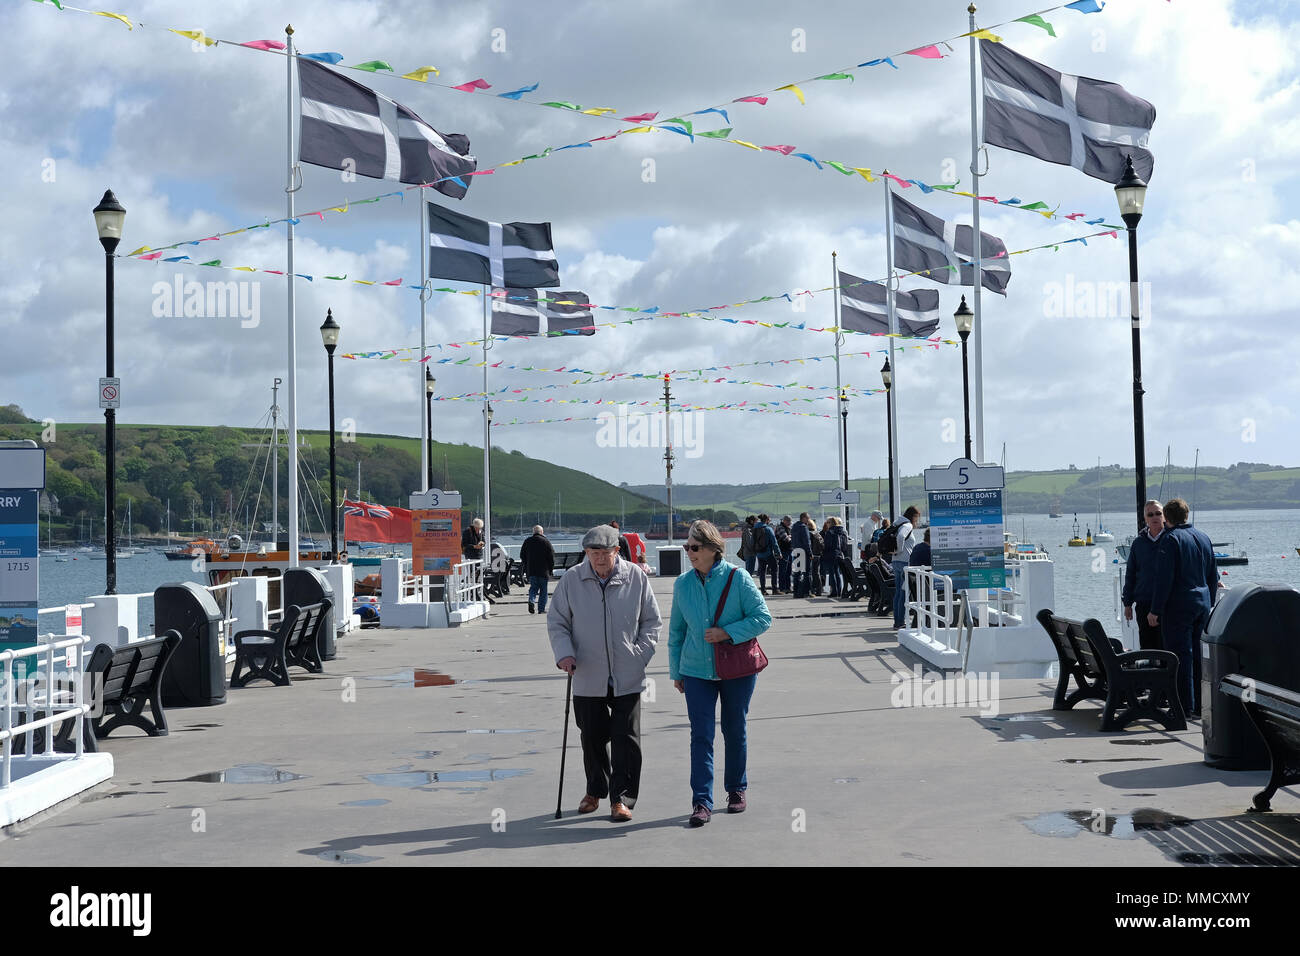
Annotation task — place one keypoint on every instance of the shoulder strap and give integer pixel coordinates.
(717, 615)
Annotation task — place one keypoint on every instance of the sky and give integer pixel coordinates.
(192, 139)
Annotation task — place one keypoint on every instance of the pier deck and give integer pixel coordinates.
(379, 762)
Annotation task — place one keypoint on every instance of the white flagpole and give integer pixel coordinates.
(891, 305)
(424, 350)
(977, 350)
(291, 381)
(487, 439)
(839, 338)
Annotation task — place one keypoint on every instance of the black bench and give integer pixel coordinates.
(120, 682)
(882, 589)
(1275, 712)
(1134, 685)
(568, 559)
(855, 581)
(270, 654)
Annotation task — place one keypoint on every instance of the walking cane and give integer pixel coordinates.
(564, 749)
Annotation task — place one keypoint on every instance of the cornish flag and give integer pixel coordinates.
(366, 522)
(942, 251)
(863, 308)
(512, 255)
(344, 125)
(521, 311)
(1076, 121)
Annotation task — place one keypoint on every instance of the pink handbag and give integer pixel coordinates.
(736, 660)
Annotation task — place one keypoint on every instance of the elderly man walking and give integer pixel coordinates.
(538, 558)
(603, 625)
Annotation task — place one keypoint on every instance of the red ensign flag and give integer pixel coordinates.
(367, 522)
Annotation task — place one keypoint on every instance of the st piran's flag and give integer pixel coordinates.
(942, 251)
(345, 125)
(520, 312)
(1076, 121)
(863, 308)
(511, 255)
(368, 522)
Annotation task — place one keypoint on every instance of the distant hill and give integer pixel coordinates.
(1070, 490)
(207, 474)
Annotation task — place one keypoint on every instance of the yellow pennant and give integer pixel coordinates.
(196, 35)
(599, 110)
(796, 91)
(138, 251)
(741, 142)
(113, 16)
(421, 75)
(864, 173)
(983, 35)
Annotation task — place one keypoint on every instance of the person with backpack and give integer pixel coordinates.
(766, 551)
(747, 543)
(801, 555)
(834, 541)
(897, 542)
(783, 541)
(815, 560)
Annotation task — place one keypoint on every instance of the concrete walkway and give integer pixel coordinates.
(380, 761)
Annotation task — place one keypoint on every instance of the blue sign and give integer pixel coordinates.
(19, 549)
(966, 537)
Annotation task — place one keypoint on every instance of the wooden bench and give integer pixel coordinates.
(270, 654)
(568, 559)
(1275, 711)
(1133, 685)
(120, 683)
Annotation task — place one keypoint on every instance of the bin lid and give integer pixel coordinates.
(296, 583)
(201, 595)
(1254, 615)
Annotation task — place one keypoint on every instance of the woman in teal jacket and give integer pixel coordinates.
(691, 637)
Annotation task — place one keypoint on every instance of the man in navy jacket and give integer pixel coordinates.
(1186, 578)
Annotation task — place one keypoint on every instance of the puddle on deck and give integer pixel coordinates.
(334, 856)
(1143, 742)
(1124, 826)
(417, 677)
(365, 803)
(486, 730)
(243, 773)
(423, 778)
(1107, 759)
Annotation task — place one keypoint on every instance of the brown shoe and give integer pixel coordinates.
(619, 813)
(588, 804)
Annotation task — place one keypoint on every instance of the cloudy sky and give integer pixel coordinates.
(193, 143)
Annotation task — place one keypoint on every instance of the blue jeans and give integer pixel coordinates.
(831, 572)
(749, 563)
(900, 592)
(701, 705)
(537, 584)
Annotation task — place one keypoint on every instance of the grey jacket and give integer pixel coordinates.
(610, 631)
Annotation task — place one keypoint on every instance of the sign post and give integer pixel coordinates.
(22, 477)
(435, 532)
(966, 523)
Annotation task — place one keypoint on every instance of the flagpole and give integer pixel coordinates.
(839, 338)
(487, 440)
(292, 380)
(424, 350)
(895, 489)
(977, 348)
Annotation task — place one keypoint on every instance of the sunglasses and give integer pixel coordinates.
(698, 547)
(1155, 514)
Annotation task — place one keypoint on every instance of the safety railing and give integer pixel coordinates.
(464, 586)
(932, 599)
(940, 609)
(41, 693)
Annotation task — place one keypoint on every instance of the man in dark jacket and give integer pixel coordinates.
(1140, 576)
(800, 555)
(783, 541)
(1182, 594)
(538, 559)
(766, 551)
(747, 543)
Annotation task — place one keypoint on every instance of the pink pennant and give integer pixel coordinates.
(274, 272)
(1112, 234)
(394, 282)
(1076, 215)
(988, 198)
(640, 118)
(479, 172)
(320, 214)
(602, 138)
(1000, 255)
(264, 44)
(152, 255)
(425, 359)
(901, 182)
(760, 100)
(783, 150)
(211, 239)
(925, 52)
(473, 85)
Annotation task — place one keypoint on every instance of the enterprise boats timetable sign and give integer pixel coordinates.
(966, 523)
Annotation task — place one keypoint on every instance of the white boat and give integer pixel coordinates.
(1102, 534)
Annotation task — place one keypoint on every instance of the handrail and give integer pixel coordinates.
(56, 713)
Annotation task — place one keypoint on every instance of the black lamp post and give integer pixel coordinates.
(329, 334)
(109, 216)
(1131, 193)
(887, 376)
(844, 415)
(965, 319)
(429, 384)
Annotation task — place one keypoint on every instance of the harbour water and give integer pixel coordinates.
(1084, 576)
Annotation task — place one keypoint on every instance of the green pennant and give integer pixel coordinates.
(373, 65)
(717, 133)
(840, 166)
(344, 276)
(561, 105)
(1037, 21)
(1036, 205)
(836, 76)
(214, 262)
(946, 186)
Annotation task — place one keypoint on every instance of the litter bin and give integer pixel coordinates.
(670, 561)
(303, 586)
(196, 673)
(1253, 631)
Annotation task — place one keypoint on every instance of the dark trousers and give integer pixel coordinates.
(611, 727)
(764, 566)
(1183, 637)
(1149, 638)
(785, 572)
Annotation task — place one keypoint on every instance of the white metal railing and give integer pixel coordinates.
(932, 598)
(939, 608)
(48, 699)
(464, 586)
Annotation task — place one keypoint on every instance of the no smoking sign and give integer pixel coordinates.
(110, 394)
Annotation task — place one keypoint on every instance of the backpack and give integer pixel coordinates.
(815, 540)
(764, 540)
(887, 543)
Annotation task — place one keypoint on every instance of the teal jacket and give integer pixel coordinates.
(744, 617)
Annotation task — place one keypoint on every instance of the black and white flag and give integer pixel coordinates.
(520, 311)
(344, 125)
(863, 308)
(942, 251)
(1076, 121)
(512, 255)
